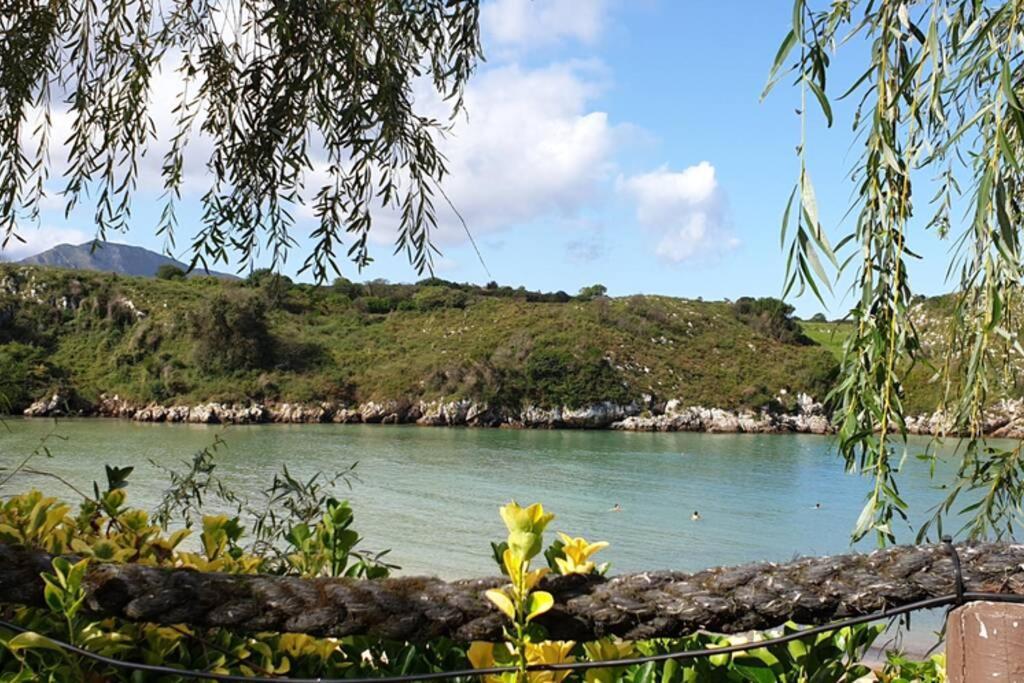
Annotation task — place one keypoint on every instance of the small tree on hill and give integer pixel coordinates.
(231, 334)
(592, 292)
(169, 271)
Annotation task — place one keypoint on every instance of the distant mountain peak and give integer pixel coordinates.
(109, 257)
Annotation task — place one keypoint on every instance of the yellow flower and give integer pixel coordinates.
(549, 652)
(297, 644)
(577, 555)
(481, 656)
(525, 526)
(532, 518)
(514, 568)
(603, 650)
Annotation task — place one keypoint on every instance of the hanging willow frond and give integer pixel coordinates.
(942, 95)
(280, 88)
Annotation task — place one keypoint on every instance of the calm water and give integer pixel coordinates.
(431, 494)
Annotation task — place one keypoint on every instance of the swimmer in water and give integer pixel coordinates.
(616, 508)
(817, 506)
(695, 516)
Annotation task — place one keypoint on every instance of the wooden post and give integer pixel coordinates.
(985, 642)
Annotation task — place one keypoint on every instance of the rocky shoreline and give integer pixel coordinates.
(671, 416)
(1006, 419)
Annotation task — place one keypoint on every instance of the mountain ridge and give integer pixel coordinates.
(110, 257)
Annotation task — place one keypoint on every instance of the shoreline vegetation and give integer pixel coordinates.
(265, 349)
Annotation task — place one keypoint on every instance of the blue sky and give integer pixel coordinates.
(615, 142)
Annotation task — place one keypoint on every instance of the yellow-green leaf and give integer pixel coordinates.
(540, 602)
(502, 602)
(30, 640)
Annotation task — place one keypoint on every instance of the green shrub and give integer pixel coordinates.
(557, 378)
(771, 317)
(273, 286)
(433, 296)
(592, 292)
(346, 287)
(231, 334)
(24, 375)
(170, 272)
(376, 305)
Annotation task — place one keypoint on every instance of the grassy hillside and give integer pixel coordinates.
(177, 341)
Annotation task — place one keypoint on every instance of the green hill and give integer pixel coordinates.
(268, 340)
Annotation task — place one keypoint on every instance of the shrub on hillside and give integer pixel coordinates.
(120, 313)
(170, 272)
(433, 296)
(771, 317)
(27, 321)
(24, 376)
(377, 305)
(231, 333)
(592, 292)
(558, 378)
(345, 287)
(273, 286)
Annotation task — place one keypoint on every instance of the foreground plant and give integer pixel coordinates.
(519, 601)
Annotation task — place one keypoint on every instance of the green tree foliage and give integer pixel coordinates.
(819, 318)
(771, 317)
(432, 296)
(592, 292)
(170, 272)
(568, 380)
(938, 95)
(231, 333)
(24, 375)
(274, 87)
(272, 285)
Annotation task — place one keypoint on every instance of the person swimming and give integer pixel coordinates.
(616, 508)
(695, 516)
(817, 506)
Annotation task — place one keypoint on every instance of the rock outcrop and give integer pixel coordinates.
(1005, 419)
(51, 406)
(807, 416)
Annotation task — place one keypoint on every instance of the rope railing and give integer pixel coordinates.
(962, 574)
(683, 655)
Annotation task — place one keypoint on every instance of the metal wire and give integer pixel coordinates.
(959, 597)
(957, 571)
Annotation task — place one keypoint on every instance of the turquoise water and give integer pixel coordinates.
(432, 494)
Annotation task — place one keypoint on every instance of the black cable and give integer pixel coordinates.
(957, 571)
(684, 655)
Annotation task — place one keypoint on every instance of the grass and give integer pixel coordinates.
(830, 335)
(350, 343)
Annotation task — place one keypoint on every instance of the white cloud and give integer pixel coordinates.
(164, 94)
(534, 23)
(40, 239)
(685, 209)
(531, 145)
(530, 148)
